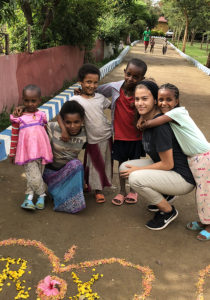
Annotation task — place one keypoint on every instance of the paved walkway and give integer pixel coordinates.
(106, 231)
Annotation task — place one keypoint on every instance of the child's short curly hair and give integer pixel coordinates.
(72, 107)
(88, 69)
(32, 87)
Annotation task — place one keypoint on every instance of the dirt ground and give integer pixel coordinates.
(105, 231)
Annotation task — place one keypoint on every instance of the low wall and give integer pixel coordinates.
(47, 68)
(98, 51)
(52, 107)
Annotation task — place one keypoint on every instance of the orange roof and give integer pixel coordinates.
(162, 20)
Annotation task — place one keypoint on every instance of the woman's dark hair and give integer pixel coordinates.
(32, 87)
(151, 86)
(171, 87)
(138, 63)
(88, 69)
(72, 107)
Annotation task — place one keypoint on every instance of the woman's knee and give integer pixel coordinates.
(135, 179)
(123, 167)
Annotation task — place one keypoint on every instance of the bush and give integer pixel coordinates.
(157, 33)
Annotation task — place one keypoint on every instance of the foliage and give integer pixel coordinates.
(73, 22)
(125, 17)
(186, 12)
(157, 33)
(4, 119)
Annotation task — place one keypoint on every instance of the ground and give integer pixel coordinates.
(105, 231)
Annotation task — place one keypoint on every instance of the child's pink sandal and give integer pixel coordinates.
(118, 199)
(131, 198)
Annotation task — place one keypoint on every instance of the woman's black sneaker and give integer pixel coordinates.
(162, 219)
(154, 208)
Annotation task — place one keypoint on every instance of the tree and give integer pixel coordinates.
(189, 10)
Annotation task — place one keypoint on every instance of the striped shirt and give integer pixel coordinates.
(63, 152)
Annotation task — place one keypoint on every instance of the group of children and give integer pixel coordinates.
(122, 131)
(164, 47)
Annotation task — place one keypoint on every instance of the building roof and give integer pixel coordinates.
(162, 20)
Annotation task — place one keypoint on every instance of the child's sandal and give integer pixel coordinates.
(100, 198)
(28, 204)
(118, 199)
(131, 198)
(40, 203)
(203, 236)
(194, 226)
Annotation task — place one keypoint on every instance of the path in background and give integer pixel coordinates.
(106, 230)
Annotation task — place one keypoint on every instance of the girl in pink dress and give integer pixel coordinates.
(30, 146)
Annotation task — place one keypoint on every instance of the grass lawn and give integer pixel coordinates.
(195, 52)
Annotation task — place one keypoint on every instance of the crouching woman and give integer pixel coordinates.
(167, 171)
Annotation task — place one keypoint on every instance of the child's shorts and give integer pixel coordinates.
(127, 150)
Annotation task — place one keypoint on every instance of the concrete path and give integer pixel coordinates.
(106, 231)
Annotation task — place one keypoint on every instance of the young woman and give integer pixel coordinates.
(167, 172)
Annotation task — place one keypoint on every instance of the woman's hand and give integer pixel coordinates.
(126, 173)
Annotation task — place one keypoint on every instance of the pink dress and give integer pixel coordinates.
(33, 141)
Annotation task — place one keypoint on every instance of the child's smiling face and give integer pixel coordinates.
(73, 123)
(166, 100)
(133, 75)
(89, 84)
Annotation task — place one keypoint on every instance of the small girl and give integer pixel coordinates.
(98, 163)
(194, 144)
(30, 146)
(152, 44)
(165, 45)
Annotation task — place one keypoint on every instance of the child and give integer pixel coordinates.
(65, 175)
(98, 164)
(127, 138)
(152, 45)
(194, 145)
(30, 146)
(165, 43)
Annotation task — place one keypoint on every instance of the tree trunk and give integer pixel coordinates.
(192, 37)
(29, 38)
(208, 61)
(185, 32)
(26, 8)
(49, 17)
(202, 42)
(174, 35)
(179, 35)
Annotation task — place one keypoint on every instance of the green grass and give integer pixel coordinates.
(195, 52)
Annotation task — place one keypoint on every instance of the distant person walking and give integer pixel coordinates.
(165, 43)
(146, 35)
(152, 44)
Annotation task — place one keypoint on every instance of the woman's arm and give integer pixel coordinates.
(166, 163)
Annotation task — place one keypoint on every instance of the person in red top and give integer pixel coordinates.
(127, 138)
